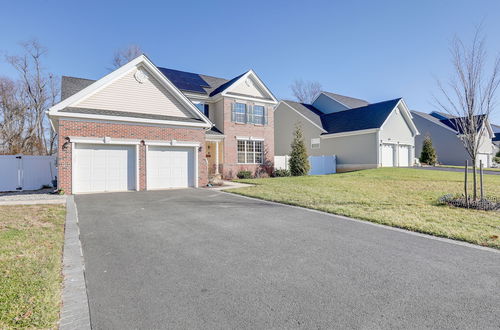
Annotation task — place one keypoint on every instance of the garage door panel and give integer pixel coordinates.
(387, 155)
(101, 168)
(170, 167)
(404, 155)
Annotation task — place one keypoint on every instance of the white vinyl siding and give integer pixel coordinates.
(128, 95)
(248, 89)
(250, 152)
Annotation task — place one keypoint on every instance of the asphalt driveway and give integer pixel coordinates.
(200, 259)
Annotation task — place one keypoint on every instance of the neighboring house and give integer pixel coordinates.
(496, 136)
(360, 134)
(445, 135)
(144, 127)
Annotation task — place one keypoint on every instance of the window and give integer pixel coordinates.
(258, 115)
(203, 107)
(250, 152)
(315, 143)
(239, 113)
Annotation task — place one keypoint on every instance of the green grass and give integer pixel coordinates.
(462, 167)
(404, 198)
(31, 241)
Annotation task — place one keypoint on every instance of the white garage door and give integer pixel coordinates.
(482, 157)
(99, 168)
(170, 167)
(404, 155)
(388, 155)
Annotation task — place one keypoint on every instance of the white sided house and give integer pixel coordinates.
(360, 134)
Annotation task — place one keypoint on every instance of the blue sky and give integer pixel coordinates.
(373, 50)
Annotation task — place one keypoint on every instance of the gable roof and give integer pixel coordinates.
(72, 85)
(193, 82)
(372, 116)
(93, 87)
(226, 85)
(451, 122)
(366, 117)
(431, 118)
(348, 101)
(307, 111)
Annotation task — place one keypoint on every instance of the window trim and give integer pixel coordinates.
(234, 113)
(252, 153)
(318, 143)
(262, 117)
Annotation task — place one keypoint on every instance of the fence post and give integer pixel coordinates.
(481, 178)
(465, 184)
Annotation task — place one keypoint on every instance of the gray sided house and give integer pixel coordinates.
(445, 136)
(360, 134)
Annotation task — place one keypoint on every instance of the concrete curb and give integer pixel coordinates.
(75, 312)
(34, 202)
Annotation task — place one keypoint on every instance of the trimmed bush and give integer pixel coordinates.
(244, 175)
(428, 154)
(299, 162)
(281, 173)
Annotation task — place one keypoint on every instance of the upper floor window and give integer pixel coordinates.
(203, 107)
(258, 115)
(242, 113)
(239, 112)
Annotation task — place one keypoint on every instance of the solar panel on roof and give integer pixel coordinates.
(186, 80)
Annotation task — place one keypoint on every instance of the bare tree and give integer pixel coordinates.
(305, 92)
(24, 126)
(125, 55)
(469, 97)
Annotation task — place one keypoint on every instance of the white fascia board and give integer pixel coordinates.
(129, 119)
(120, 72)
(251, 138)
(214, 138)
(288, 105)
(259, 82)
(343, 134)
(172, 143)
(104, 140)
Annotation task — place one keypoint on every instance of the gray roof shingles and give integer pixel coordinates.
(361, 118)
(348, 101)
(127, 114)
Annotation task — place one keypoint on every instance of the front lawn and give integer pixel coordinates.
(31, 242)
(399, 197)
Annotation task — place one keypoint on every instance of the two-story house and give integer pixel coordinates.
(144, 127)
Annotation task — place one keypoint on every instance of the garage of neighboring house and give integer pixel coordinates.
(396, 155)
(388, 155)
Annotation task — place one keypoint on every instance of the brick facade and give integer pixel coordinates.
(69, 128)
(231, 130)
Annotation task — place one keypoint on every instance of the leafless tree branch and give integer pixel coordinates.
(305, 92)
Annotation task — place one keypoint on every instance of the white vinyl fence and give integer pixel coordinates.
(319, 164)
(19, 172)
